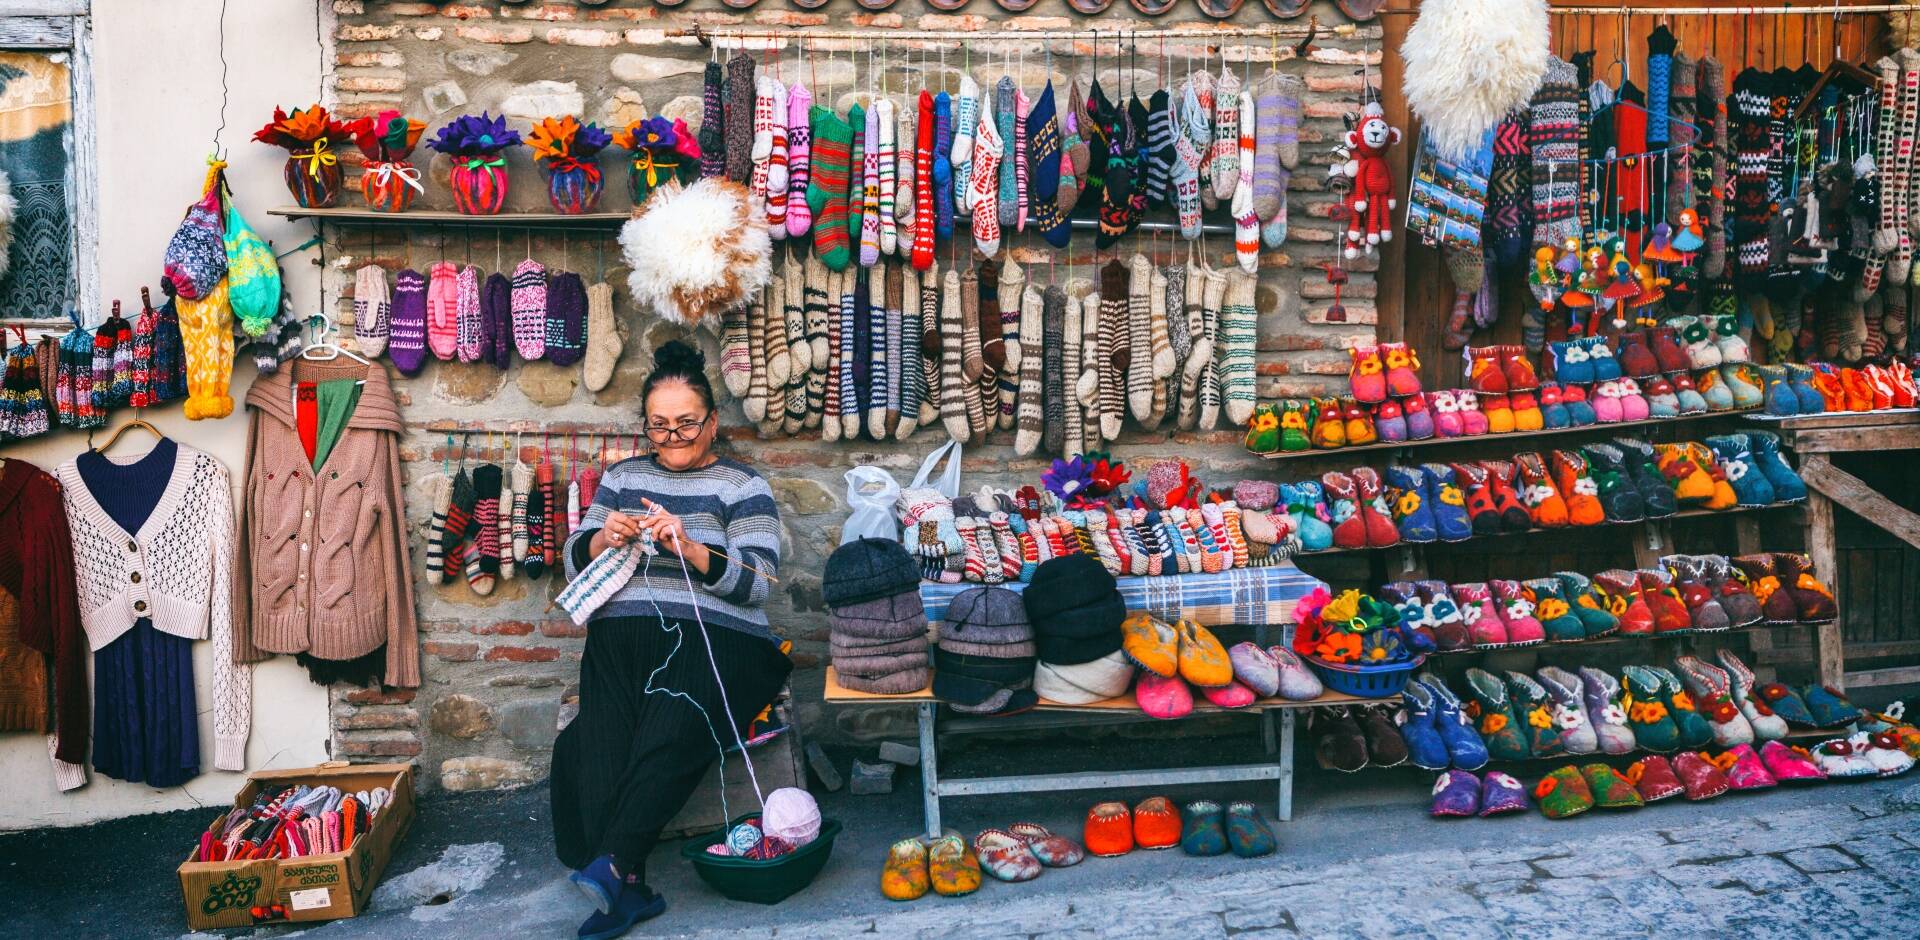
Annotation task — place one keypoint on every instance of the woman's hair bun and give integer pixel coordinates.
(675, 357)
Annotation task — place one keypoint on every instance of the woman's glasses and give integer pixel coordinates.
(682, 433)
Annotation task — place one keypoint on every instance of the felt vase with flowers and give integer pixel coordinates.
(389, 181)
(658, 149)
(565, 150)
(311, 138)
(477, 145)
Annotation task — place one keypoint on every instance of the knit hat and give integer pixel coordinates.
(407, 345)
(566, 319)
(868, 569)
(993, 615)
(1084, 683)
(1075, 609)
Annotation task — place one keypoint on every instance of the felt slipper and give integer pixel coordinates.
(1247, 833)
(1789, 765)
(1533, 710)
(1156, 823)
(1151, 644)
(1205, 832)
(1840, 760)
(1885, 753)
(1053, 851)
(1465, 746)
(1006, 856)
(1755, 706)
(1711, 697)
(903, 877)
(1577, 734)
(1109, 830)
(952, 867)
(1256, 668)
(1297, 682)
(1654, 778)
(1231, 695)
(1491, 708)
(1695, 730)
(1456, 793)
(1338, 744)
(1203, 661)
(1648, 716)
(1610, 790)
(1563, 794)
(1830, 709)
(1703, 778)
(1162, 698)
(1385, 746)
(1424, 746)
(1744, 769)
(1501, 794)
(1607, 708)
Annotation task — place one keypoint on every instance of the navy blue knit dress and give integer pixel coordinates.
(145, 726)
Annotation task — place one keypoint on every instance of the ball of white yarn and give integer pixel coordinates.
(792, 815)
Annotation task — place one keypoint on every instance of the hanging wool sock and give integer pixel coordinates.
(503, 529)
(1507, 230)
(762, 147)
(1086, 388)
(1199, 349)
(1030, 414)
(1158, 154)
(832, 143)
(1053, 359)
(773, 340)
(966, 118)
(988, 148)
(1007, 372)
(779, 177)
(887, 157)
(840, 309)
(736, 362)
(1006, 199)
(755, 404)
(453, 541)
(106, 344)
(923, 179)
(1139, 368)
(1116, 348)
(603, 339)
(1212, 299)
(906, 155)
(1021, 106)
(1072, 432)
(713, 120)
(534, 560)
(407, 343)
(912, 371)
(857, 179)
(1683, 118)
(1161, 361)
(530, 310)
(943, 180)
(739, 89)
(1116, 193)
(372, 310)
(438, 493)
(1747, 112)
(1246, 219)
(892, 337)
(1096, 126)
(1712, 104)
(799, 160)
(868, 145)
(878, 384)
(1273, 230)
(1074, 156)
(1133, 136)
(566, 319)
(818, 309)
(1269, 106)
(1553, 138)
(1226, 136)
(955, 387)
(930, 346)
(573, 504)
(1044, 156)
(496, 321)
(799, 348)
(856, 350)
(516, 546)
(1179, 338)
(979, 310)
(466, 317)
(1237, 336)
(443, 309)
(1185, 177)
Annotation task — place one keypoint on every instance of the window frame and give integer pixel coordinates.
(67, 26)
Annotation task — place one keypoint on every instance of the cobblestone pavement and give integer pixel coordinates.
(1850, 868)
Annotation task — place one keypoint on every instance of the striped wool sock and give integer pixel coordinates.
(930, 346)
(503, 529)
(905, 154)
(1008, 296)
(522, 496)
(793, 311)
(857, 379)
(1022, 173)
(1180, 331)
(913, 378)
(755, 404)
(831, 149)
(955, 389)
(1092, 368)
(1246, 219)
(1008, 545)
(1139, 374)
(1157, 155)
(1102, 547)
(1053, 359)
(1216, 526)
(799, 160)
(943, 180)
(1072, 433)
(1210, 314)
(1268, 107)
(923, 206)
(1029, 415)
(984, 315)
(966, 119)
(1007, 187)
(1160, 350)
(777, 173)
(836, 358)
(816, 304)
(1185, 181)
(868, 145)
(1033, 548)
(1116, 349)
(772, 324)
(884, 322)
(1237, 336)
(438, 490)
(1553, 132)
(762, 150)
(975, 557)
(462, 553)
(1193, 118)
(1230, 520)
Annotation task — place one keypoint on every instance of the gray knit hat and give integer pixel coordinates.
(868, 569)
(992, 615)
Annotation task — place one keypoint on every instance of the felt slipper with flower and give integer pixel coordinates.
(1610, 790)
(1710, 687)
(1205, 831)
(1744, 769)
(1695, 729)
(1886, 755)
(1456, 793)
(1053, 851)
(1563, 793)
(1654, 778)
(1255, 667)
(1501, 793)
(1533, 709)
(952, 867)
(1784, 703)
(1840, 760)
(1247, 833)
(1790, 764)
(1165, 699)
(1491, 709)
(903, 877)
(1151, 644)
(1606, 705)
(1648, 716)
(1156, 823)
(1109, 830)
(1703, 778)
(1006, 856)
(1464, 745)
(1830, 708)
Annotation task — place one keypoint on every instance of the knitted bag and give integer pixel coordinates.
(253, 275)
(196, 256)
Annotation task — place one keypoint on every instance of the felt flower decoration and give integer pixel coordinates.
(302, 129)
(1105, 473)
(1725, 761)
(387, 136)
(1546, 786)
(1339, 648)
(1552, 608)
(564, 140)
(1635, 771)
(1409, 503)
(1647, 713)
(1451, 495)
(1493, 723)
(1723, 711)
(1068, 479)
(471, 135)
(654, 133)
(1682, 701)
(1343, 612)
(1539, 717)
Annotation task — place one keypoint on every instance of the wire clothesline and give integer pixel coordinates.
(1131, 35)
(1782, 9)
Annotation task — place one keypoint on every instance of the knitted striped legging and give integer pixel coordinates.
(625, 766)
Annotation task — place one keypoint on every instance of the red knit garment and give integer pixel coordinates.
(1630, 142)
(36, 567)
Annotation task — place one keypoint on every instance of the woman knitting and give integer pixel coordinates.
(651, 714)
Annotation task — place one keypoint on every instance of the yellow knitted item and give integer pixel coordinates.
(206, 330)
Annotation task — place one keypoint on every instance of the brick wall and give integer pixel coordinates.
(496, 667)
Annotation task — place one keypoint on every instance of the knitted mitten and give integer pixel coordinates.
(407, 345)
(372, 308)
(443, 306)
(438, 491)
(496, 321)
(459, 516)
(566, 319)
(831, 149)
(1226, 136)
(799, 160)
(530, 309)
(1236, 345)
(467, 321)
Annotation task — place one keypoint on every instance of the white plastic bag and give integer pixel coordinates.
(871, 493)
(948, 484)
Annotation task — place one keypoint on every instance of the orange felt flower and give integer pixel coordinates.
(1339, 648)
(1647, 713)
(1764, 588)
(551, 136)
(1808, 582)
(1724, 761)
(1401, 359)
(1633, 772)
(1265, 421)
(1369, 365)
(1493, 723)
(1545, 786)
(1682, 702)
(1552, 608)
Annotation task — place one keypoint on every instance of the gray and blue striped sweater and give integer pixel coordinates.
(725, 505)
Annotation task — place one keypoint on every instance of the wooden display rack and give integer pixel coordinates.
(1815, 439)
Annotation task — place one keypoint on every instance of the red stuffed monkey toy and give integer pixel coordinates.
(1370, 202)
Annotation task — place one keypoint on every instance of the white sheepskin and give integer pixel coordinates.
(696, 251)
(1469, 63)
(7, 206)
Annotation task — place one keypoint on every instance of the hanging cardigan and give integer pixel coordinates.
(326, 570)
(177, 571)
(40, 619)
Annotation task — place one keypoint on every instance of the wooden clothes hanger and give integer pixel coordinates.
(115, 436)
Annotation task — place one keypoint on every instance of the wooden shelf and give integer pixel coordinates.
(1514, 436)
(1605, 526)
(1890, 417)
(836, 694)
(1616, 637)
(432, 217)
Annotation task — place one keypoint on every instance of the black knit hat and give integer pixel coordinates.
(1076, 610)
(866, 570)
(1066, 582)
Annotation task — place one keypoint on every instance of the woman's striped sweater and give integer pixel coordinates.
(724, 505)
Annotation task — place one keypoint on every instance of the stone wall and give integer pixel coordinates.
(496, 667)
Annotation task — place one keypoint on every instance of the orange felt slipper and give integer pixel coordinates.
(1203, 661)
(952, 867)
(1156, 823)
(1109, 830)
(904, 876)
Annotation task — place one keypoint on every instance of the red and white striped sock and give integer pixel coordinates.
(1008, 546)
(975, 565)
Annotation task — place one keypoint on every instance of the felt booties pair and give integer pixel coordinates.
(1785, 585)
(1436, 728)
(1113, 830)
(1458, 793)
(1514, 716)
(1239, 828)
(947, 866)
(1352, 739)
(1388, 369)
(1569, 791)
(1023, 851)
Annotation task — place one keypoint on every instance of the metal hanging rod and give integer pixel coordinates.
(1313, 28)
(1784, 9)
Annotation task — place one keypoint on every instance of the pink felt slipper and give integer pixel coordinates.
(1788, 765)
(1231, 695)
(1006, 856)
(1052, 850)
(1164, 698)
(1744, 769)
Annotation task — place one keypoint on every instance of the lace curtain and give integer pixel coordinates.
(36, 119)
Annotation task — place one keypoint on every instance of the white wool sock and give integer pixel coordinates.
(736, 361)
(1199, 354)
(1237, 328)
(1029, 420)
(1211, 299)
(755, 404)
(773, 339)
(955, 389)
(1007, 382)
(1139, 338)
(794, 314)
(1160, 345)
(603, 339)
(1076, 441)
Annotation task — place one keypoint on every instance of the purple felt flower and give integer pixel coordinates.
(475, 135)
(1068, 479)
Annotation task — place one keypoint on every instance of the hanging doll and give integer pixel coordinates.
(1370, 202)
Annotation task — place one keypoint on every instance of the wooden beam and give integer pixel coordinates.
(1829, 654)
(1391, 300)
(1899, 675)
(1866, 502)
(1850, 440)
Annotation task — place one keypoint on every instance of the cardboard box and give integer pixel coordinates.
(313, 887)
